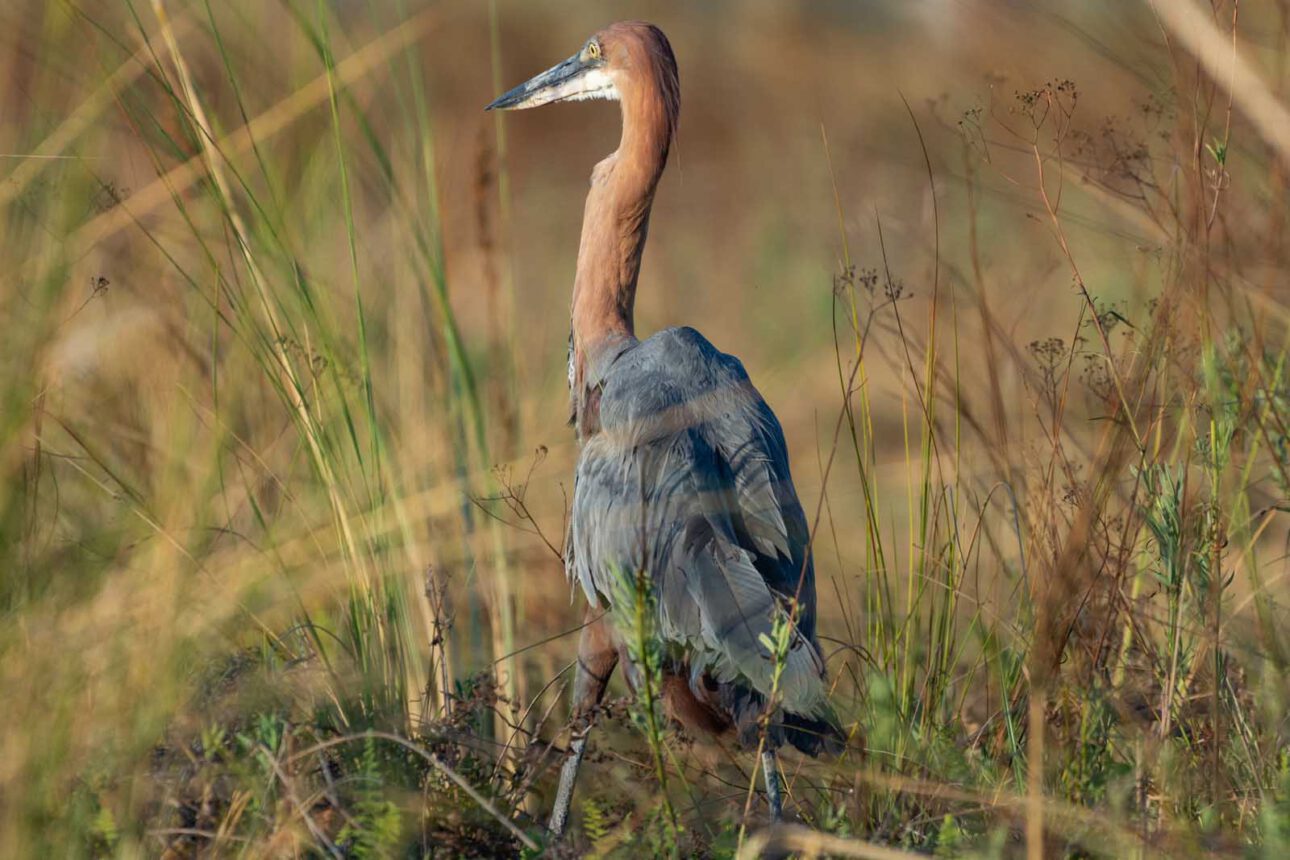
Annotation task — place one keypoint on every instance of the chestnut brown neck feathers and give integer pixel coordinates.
(616, 217)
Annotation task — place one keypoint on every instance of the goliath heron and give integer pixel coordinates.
(682, 471)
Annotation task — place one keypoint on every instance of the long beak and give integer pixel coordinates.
(572, 80)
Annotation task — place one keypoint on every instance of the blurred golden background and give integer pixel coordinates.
(284, 423)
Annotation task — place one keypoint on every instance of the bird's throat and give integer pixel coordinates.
(614, 228)
(609, 258)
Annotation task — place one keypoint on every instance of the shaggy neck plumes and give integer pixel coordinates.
(616, 218)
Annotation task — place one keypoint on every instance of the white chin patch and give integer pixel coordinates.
(595, 84)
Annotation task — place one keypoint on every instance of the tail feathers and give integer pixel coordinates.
(812, 735)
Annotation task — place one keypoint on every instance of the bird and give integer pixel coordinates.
(682, 475)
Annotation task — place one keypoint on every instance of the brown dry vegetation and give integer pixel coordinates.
(285, 460)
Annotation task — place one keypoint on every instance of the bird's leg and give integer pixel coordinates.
(597, 658)
(564, 796)
(774, 796)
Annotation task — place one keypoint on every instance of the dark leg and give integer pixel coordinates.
(774, 796)
(597, 658)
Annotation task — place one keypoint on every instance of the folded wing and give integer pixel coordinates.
(688, 480)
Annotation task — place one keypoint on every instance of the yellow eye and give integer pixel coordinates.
(593, 50)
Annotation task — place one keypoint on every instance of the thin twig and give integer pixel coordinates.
(314, 829)
(439, 765)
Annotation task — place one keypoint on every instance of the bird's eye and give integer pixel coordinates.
(593, 50)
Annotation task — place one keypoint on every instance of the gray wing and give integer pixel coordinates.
(688, 479)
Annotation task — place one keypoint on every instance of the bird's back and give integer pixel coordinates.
(688, 480)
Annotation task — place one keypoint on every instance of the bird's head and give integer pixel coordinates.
(627, 61)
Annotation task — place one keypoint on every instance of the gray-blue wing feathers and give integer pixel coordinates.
(688, 479)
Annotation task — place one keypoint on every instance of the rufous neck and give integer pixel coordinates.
(615, 225)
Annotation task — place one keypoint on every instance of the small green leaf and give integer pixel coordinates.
(1218, 149)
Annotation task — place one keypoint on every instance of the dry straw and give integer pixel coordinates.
(1229, 69)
